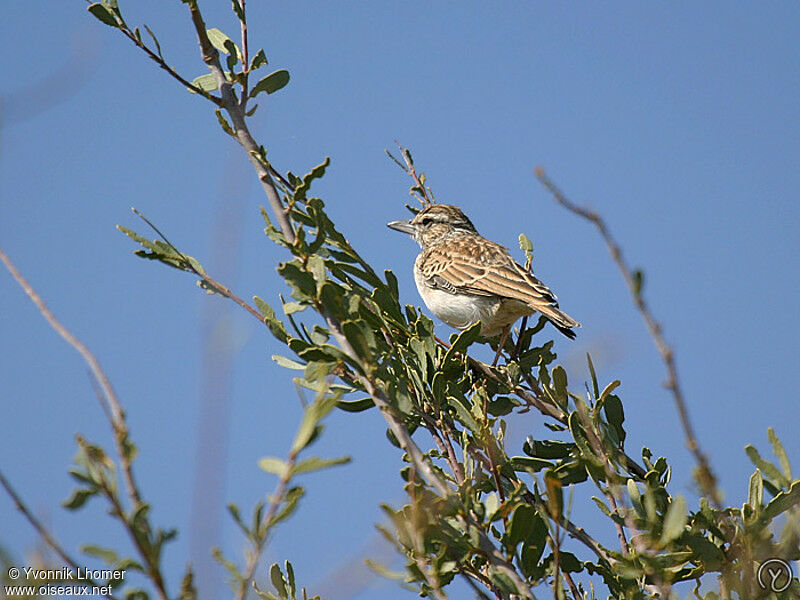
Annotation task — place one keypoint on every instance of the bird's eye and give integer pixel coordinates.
(426, 221)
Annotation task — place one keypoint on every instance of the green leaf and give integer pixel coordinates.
(271, 83)
(288, 363)
(560, 386)
(276, 466)
(78, 498)
(779, 452)
(463, 341)
(223, 122)
(107, 555)
(312, 416)
(607, 391)
(708, 552)
(383, 571)
(636, 497)
(569, 563)
(275, 326)
(359, 339)
(207, 82)
(276, 576)
(602, 506)
(525, 243)
(318, 371)
(675, 520)
(503, 581)
(595, 387)
(355, 406)
(188, 590)
(533, 544)
(290, 503)
(547, 448)
(615, 415)
(767, 468)
(315, 464)
(301, 281)
(103, 14)
(259, 60)
(581, 440)
(530, 464)
(782, 502)
(236, 514)
(755, 497)
(290, 578)
(219, 39)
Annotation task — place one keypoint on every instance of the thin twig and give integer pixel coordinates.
(159, 60)
(111, 405)
(275, 502)
(571, 583)
(446, 449)
(113, 409)
(152, 569)
(425, 194)
(478, 591)
(44, 533)
(706, 477)
(217, 286)
(451, 455)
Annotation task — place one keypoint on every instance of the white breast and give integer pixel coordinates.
(462, 310)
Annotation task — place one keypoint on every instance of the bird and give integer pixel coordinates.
(464, 278)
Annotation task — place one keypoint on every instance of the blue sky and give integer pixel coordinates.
(678, 122)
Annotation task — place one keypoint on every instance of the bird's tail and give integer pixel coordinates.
(562, 321)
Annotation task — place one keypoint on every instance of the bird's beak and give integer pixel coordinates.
(402, 226)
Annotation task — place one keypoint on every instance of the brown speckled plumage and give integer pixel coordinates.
(463, 277)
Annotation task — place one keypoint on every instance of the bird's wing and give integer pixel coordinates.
(487, 269)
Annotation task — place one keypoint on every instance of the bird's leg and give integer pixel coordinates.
(503, 337)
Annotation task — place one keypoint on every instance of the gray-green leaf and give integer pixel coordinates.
(103, 14)
(675, 521)
(207, 83)
(271, 83)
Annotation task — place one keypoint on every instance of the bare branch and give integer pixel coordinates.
(113, 410)
(43, 532)
(110, 402)
(706, 477)
(423, 193)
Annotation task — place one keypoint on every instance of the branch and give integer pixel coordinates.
(213, 283)
(423, 193)
(114, 412)
(237, 114)
(706, 477)
(152, 568)
(109, 401)
(44, 533)
(277, 497)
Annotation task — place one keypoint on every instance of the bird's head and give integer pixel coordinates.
(435, 223)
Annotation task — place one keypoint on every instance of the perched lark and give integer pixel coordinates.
(464, 278)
